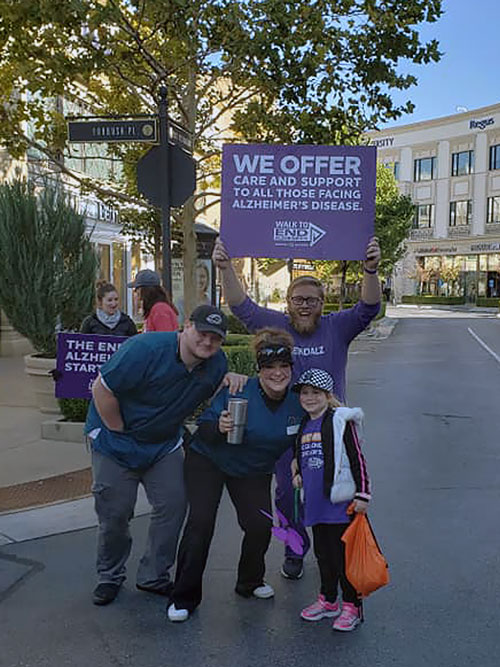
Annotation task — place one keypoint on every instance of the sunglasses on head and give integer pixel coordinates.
(274, 353)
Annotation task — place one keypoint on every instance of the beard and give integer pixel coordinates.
(305, 327)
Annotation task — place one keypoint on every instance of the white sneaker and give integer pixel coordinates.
(177, 615)
(263, 592)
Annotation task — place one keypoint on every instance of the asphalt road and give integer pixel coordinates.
(431, 394)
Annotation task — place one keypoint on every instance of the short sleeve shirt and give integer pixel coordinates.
(156, 392)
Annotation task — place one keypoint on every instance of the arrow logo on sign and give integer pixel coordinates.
(316, 234)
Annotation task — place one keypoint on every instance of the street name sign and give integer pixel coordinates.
(113, 130)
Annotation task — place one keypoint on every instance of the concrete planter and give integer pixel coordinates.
(62, 430)
(38, 369)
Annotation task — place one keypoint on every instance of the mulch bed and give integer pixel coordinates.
(69, 486)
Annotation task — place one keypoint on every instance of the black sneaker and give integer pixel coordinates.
(105, 593)
(165, 590)
(292, 568)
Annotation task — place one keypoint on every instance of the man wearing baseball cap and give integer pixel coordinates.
(141, 398)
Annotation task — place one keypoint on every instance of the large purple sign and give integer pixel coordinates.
(79, 357)
(312, 202)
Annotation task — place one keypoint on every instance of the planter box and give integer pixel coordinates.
(38, 368)
(63, 431)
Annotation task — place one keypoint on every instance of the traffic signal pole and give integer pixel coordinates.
(165, 189)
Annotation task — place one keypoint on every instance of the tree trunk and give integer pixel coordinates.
(189, 257)
(188, 216)
(158, 255)
(343, 284)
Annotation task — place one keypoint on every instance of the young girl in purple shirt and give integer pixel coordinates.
(313, 470)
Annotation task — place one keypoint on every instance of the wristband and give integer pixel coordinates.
(372, 272)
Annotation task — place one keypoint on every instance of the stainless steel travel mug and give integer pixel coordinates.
(237, 408)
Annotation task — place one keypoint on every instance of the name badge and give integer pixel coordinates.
(293, 429)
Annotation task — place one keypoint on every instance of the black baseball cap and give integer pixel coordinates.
(209, 318)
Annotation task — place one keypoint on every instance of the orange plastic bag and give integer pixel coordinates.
(365, 565)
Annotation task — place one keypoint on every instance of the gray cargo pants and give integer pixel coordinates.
(115, 493)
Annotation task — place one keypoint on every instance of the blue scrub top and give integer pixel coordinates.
(156, 393)
(268, 433)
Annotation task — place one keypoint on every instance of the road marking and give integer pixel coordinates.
(481, 342)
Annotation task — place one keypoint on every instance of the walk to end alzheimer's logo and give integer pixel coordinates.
(313, 202)
(297, 234)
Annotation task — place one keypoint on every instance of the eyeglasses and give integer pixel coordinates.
(311, 301)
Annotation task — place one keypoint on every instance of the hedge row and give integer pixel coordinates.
(333, 308)
(429, 299)
(488, 302)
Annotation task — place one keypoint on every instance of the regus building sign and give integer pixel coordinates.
(481, 124)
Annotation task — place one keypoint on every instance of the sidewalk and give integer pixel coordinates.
(33, 471)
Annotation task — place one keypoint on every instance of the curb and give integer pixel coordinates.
(380, 330)
(61, 517)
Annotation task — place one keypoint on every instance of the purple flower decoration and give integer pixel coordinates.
(285, 533)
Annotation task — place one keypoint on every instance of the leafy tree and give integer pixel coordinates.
(256, 70)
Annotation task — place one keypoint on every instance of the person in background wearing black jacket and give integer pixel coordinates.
(108, 320)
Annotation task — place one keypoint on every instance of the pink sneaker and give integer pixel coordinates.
(348, 619)
(320, 609)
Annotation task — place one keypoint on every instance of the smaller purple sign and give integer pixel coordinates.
(79, 357)
(311, 202)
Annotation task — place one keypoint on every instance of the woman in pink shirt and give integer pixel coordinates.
(159, 312)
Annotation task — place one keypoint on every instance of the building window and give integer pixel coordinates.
(425, 169)
(393, 167)
(460, 213)
(104, 258)
(495, 157)
(493, 215)
(462, 163)
(424, 216)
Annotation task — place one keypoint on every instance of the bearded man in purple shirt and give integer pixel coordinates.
(321, 341)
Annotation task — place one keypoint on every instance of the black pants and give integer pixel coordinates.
(330, 554)
(204, 485)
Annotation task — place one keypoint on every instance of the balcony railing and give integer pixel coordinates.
(423, 233)
(492, 228)
(458, 231)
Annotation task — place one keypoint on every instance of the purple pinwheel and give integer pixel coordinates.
(286, 533)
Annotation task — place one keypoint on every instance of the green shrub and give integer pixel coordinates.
(74, 409)
(234, 325)
(237, 339)
(437, 300)
(381, 312)
(488, 302)
(333, 307)
(240, 359)
(47, 263)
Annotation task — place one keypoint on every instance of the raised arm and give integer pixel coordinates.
(370, 289)
(233, 290)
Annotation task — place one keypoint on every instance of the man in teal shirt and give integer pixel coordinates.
(140, 400)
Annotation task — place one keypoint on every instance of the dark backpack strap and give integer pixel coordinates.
(327, 446)
(298, 439)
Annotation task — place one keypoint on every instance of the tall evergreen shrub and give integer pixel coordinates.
(47, 264)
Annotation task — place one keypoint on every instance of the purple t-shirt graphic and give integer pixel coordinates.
(326, 347)
(317, 507)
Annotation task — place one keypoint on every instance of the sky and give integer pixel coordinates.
(468, 74)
